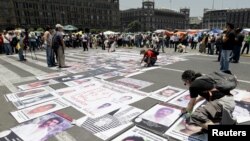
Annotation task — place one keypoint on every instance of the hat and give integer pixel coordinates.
(59, 26)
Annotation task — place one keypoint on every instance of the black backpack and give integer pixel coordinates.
(222, 81)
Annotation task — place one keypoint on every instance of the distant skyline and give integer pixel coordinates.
(196, 6)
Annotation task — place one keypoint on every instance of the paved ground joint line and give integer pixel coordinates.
(176, 70)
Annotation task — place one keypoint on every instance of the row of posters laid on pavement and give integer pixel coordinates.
(98, 100)
(38, 110)
(39, 129)
(107, 126)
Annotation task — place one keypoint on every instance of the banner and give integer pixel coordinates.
(38, 110)
(100, 100)
(158, 118)
(33, 101)
(182, 131)
(109, 125)
(42, 128)
(37, 84)
(132, 83)
(28, 94)
(51, 75)
(138, 134)
(8, 135)
(167, 93)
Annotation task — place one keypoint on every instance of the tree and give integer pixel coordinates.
(134, 26)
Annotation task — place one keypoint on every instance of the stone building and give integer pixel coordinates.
(151, 18)
(98, 14)
(219, 18)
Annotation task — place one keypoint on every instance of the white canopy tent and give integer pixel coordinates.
(109, 33)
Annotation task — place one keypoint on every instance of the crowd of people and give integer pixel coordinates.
(228, 45)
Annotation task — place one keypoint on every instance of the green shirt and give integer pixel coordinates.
(247, 39)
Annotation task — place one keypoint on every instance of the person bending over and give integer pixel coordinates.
(150, 57)
(217, 101)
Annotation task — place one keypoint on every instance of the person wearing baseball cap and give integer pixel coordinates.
(59, 46)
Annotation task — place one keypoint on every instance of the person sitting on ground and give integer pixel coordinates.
(181, 48)
(217, 100)
(150, 57)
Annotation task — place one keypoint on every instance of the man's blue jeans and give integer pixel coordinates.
(8, 49)
(50, 56)
(224, 60)
(20, 54)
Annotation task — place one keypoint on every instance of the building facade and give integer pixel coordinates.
(195, 22)
(7, 14)
(186, 12)
(97, 14)
(219, 18)
(151, 18)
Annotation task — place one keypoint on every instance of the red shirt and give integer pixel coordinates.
(150, 54)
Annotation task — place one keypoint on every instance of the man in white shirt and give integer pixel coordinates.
(6, 41)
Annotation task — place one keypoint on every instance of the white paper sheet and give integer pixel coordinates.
(38, 110)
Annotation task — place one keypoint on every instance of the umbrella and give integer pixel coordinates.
(215, 31)
(70, 28)
(160, 31)
(108, 33)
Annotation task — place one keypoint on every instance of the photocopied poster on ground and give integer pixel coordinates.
(79, 81)
(110, 75)
(22, 95)
(38, 110)
(138, 134)
(77, 88)
(100, 100)
(20, 104)
(107, 126)
(183, 100)
(158, 118)
(8, 135)
(185, 132)
(42, 128)
(132, 83)
(69, 78)
(166, 93)
(242, 109)
(37, 84)
(51, 75)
